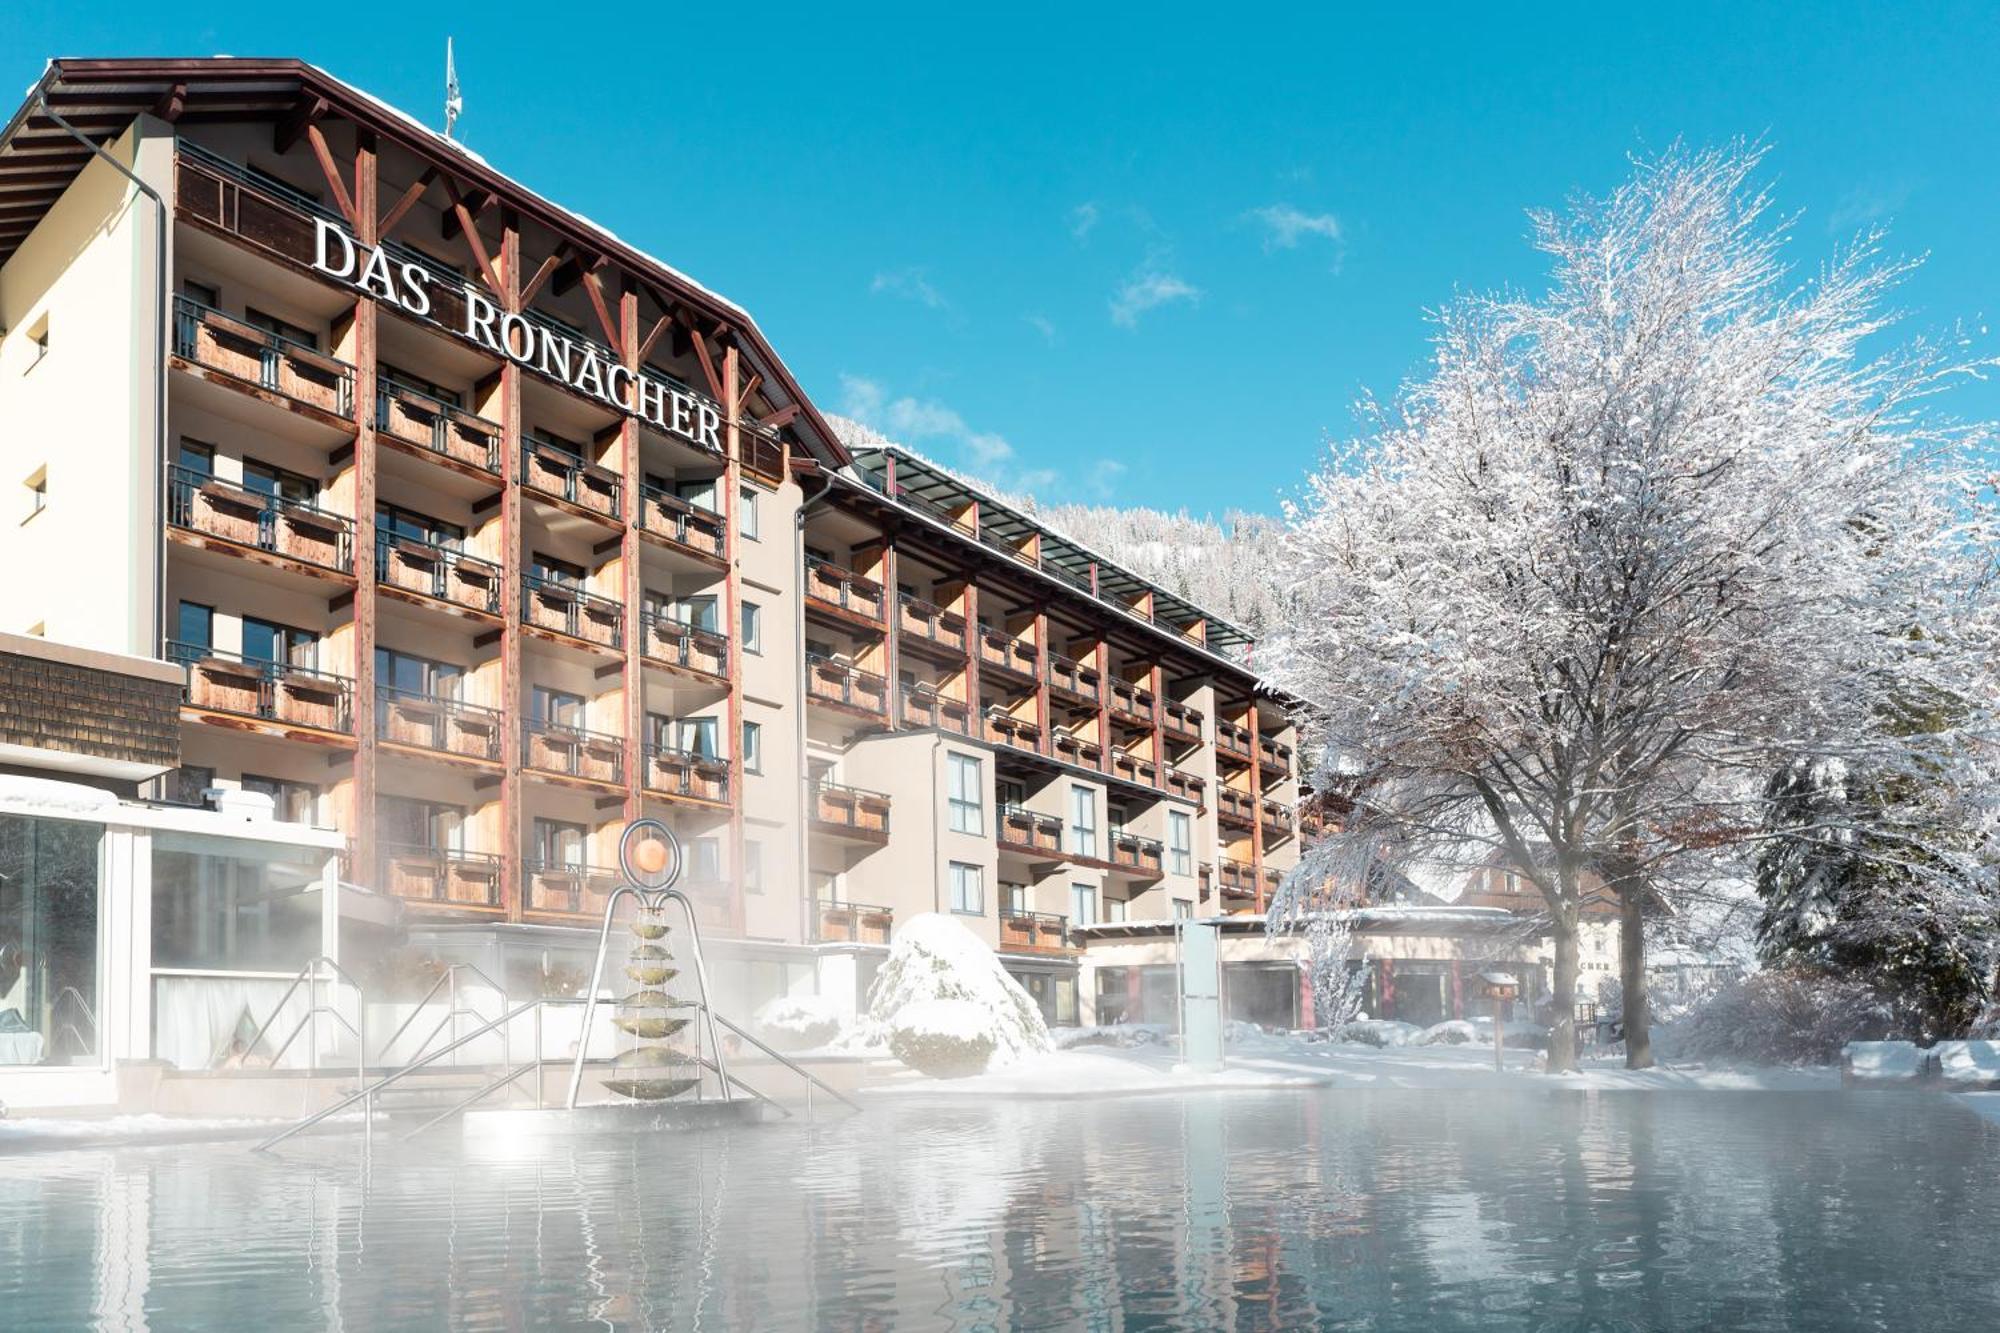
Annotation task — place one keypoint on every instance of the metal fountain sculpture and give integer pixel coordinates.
(652, 1070)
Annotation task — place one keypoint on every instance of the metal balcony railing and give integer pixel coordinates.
(928, 621)
(573, 752)
(431, 722)
(297, 529)
(234, 347)
(837, 682)
(832, 585)
(927, 708)
(561, 606)
(431, 423)
(439, 874)
(558, 473)
(1043, 932)
(227, 682)
(679, 772)
(677, 643)
(842, 808)
(689, 526)
(861, 923)
(432, 569)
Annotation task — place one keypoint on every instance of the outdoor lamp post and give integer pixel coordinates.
(1501, 988)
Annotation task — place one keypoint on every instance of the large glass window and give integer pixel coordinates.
(292, 802)
(968, 889)
(233, 905)
(559, 844)
(968, 794)
(1082, 821)
(1180, 842)
(1083, 904)
(48, 940)
(268, 641)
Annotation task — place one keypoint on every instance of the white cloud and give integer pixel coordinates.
(860, 398)
(1043, 325)
(1285, 226)
(1149, 290)
(1104, 475)
(937, 429)
(1082, 219)
(911, 285)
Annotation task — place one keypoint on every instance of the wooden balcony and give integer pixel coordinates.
(1035, 932)
(1277, 821)
(1008, 656)
(569, 889)
(230, 517)
(1025, 830)
(571, 752)
(413, 569)
(1131, 852)
(683, 648)
(851, 813)
(846, 687)
(928, 627)
(425, 426)
(1274, 756)
(829, 587)
(1234, 742)
(859, 923)
(231, 685)
(1181, 783)
(445, 876)
(1131, 704)
(1235, 808)
(672, 522)
(1074, 749)
(1273, 877)
(1237, 879)
(684, 775)
(585, 488)
(1134, 768)
(1017, 733)
(559, 608)
(1205, 881)
(1181, 722)
(266, 365)
(923, 707)
(1076, 681)
(443, 726)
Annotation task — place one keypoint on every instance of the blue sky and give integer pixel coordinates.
(1142, 254)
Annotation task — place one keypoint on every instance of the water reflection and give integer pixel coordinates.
(1378, 1210)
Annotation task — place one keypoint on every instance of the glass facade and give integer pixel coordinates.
(49, 982)
(226, 904)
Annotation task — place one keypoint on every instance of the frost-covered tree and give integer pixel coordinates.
(1630, 547)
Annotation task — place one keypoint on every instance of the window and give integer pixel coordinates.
(434, 826)
(187, 785)
(263, 479)
(1114, 909)
(202, 293)
(1010, 793)
(38, 338)
(551, 570)
(291, 802)
(397, 375)
(700, 494)
(1082, 821)
(704, 856)
(753, 748)
(698, 737)
(37, 487)
(1014, 897)
(747, 521)
(967, 795)
(968, 892)
(411, 674)
(396, 521)
(48, 939)
(269, 642)
(194, 631)
(556, 708)
(753, 867)
(1082, 904)
(1183, 910)
(698, 613)
(753, 628)
(196, 457)
(1180, 842)
(558, 844)
(257, 319)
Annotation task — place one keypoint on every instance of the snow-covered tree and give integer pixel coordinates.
(1631, 547)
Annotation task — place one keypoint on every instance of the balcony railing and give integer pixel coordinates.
(561, 474)
(849, 809)
(1134, 852)
(998, 543)
(1182, 783)
(831, 585)
(1181, 720)
(1007, 653)
(679, 644)
(1133, 700)
(1275, 755)
(1003, 728)
(222, 682)
(241, 351)
(1075, 749)
(435, 570)
(927, 708)
(1236, 807)
(904, 495)
(449, 726)
(1069, 676)
(231, 511)
(834, 682)
(1273, 877)
(1075, 580)
(1038, 932)
(1029, 829)
(689, 526)
(1277, 819)
(1233, 740)
(439, 875)
(572, 752)
(930, 622)
(677, 772)
(1133, 767)
(861, 923)
(559, 886)
(445, 429)
(1238, 879)
(564, 608)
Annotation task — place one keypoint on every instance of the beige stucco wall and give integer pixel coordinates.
(83, 567)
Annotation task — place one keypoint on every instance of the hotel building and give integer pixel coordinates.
(474, 532)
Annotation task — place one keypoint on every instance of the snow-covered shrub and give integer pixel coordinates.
(1120, 1034)
(1379, 1032)
(1454, 1032)
(932, 957)
(1782, 1016)
(942, 1038)
(1967, 1064)
(796, 1022)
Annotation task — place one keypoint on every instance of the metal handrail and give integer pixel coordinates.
(75, 997)
(449, 975)
(812, 1080)
(448, 558)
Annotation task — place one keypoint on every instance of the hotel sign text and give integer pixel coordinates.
(577, 362)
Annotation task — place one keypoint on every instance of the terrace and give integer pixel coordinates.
(439, 725)
(231, 684)
(232, 517)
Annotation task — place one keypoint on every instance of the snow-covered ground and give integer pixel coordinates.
(44, 1132)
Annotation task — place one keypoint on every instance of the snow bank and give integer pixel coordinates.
(931, 958)
(1454, 1032)
(1865, 1064)
(1379, 1032)
(797, 1022)
(1967, 1064)
(942, 1038)
(1124, 1035)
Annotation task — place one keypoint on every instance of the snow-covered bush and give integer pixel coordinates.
(1379, 1032)
(1782, 1016)
(1454, 1032)
(796, 1022)
(1120, 1034)
(932, 957)
(942, 1038)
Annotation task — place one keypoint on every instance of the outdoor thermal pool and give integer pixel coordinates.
(1341, 1209)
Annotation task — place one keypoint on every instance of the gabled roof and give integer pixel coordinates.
(100, 98)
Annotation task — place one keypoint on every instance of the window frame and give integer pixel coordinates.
(965, 813)
(962, 873)
(1180, 842)
(751, 616)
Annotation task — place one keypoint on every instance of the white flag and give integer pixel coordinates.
(453, 102)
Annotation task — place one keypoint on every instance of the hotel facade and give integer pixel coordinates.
(468, 533)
